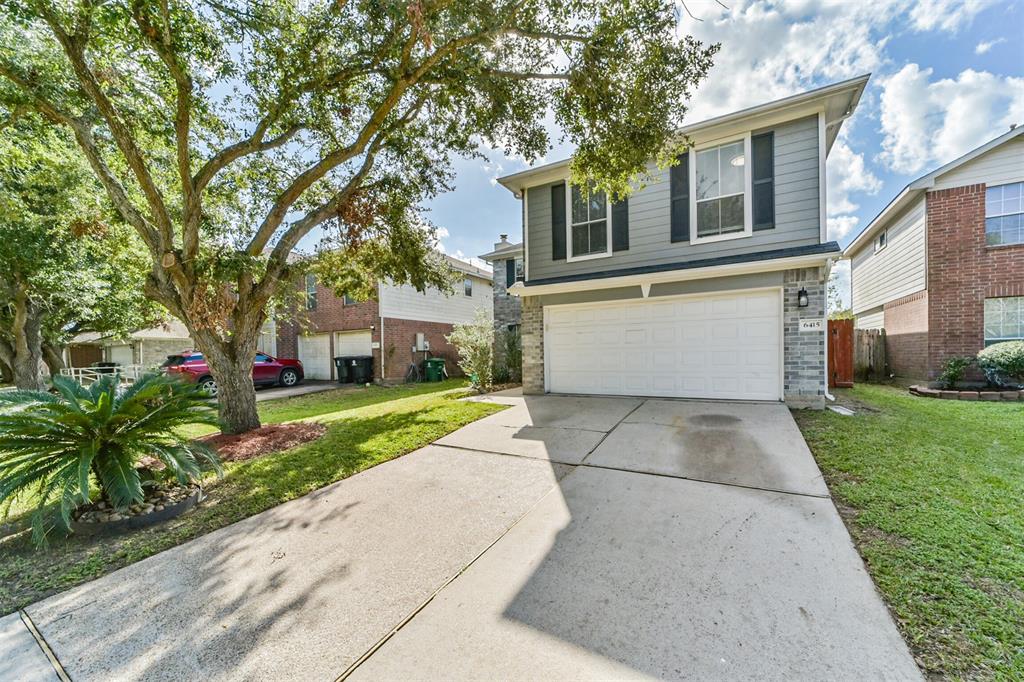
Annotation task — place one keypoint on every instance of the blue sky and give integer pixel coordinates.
(947, 75)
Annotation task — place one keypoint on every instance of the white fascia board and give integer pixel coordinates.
(647, 279)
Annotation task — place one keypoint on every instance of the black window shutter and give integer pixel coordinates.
(510, 272)
(762, 148)
(620, 225)
(679, 193)
(558, 221)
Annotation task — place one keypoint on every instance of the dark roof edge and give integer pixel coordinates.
(810, 250)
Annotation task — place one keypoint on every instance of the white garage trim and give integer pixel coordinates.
(616, 386)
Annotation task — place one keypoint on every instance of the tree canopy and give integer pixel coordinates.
(225, 132)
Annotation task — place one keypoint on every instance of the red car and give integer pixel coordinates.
(266, 371)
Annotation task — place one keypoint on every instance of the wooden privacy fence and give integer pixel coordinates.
(840, 353)
(869, 355)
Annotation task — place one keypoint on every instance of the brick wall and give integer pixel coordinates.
(803, 352)
(906, 336)
(532, 338)
(400, 337)
(962, 272)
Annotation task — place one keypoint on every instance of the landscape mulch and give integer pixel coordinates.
(264, 440)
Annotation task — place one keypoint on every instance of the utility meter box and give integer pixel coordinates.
(421, 342)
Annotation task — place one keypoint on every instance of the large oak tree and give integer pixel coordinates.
(225, 132)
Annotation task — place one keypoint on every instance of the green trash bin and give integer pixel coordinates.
(433, 369)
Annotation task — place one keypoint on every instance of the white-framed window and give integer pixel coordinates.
(467, 286)
(589, 224)
(520, 272)
(881, 240)
(1004, 214)
(720, 184)
(1004, 319)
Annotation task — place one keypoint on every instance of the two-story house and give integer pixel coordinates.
(388, 326)
(941, 268)
(708, 282)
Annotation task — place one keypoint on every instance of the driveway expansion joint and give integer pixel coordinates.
(607, 433)
(58, 669)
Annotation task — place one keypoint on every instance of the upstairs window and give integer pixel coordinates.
(513, 271)
(589, 227)
(310, 292)
(721, 183)
(1004, 214)
(347, 300)
(881, 240)
(1004, 319)
(467, 286)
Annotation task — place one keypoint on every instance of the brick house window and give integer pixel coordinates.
(310, 292)
(347, 300)
(1004, 319)
(1004, 214)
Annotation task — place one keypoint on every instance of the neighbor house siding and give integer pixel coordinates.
(999, 166)
(406, 302)
(872, 319)
(897, 270)
(797, 215)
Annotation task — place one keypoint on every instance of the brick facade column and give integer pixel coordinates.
(804, 373)
(532, 335)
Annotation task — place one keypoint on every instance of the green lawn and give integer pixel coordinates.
(933, 494)
(365, 427)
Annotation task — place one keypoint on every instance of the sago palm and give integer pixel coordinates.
(53, 445)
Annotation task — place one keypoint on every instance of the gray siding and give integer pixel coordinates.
(895, 271)
(797, 215)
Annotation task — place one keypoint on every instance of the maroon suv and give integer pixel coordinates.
(266, 371)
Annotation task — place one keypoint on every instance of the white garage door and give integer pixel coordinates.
(352, 343)
(122, 355)
(725, 346)
(315, 356)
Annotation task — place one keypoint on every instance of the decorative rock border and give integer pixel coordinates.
(991, 396)
(143, 518)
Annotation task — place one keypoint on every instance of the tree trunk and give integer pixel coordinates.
(28, 342)
(53, 356)
(230, 364)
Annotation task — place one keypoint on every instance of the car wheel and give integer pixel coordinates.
(289, 377)
(209, 384)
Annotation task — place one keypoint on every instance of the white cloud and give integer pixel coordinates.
(840, 280)
(839, 227)
(986, 45)
(847, 174)
(442, 233)
(927, 123)
(948, 15)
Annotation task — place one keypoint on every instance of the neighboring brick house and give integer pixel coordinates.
(385, 327)
(941, 268)
(707, 282)
(507, 264)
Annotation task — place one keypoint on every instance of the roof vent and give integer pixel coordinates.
(1013, 126)
(504, 238)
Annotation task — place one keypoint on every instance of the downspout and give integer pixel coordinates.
(828, 274)
(380, 344)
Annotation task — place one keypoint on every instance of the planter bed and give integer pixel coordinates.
(162, 506)
(988, 395)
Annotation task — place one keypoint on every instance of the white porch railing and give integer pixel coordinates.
(127, 374)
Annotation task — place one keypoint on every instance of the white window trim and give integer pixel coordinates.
(569, 257)
(883, 233)
(748, 191)
(1001, 184)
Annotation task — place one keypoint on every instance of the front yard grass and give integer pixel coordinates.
(933, 494)
(365, 427)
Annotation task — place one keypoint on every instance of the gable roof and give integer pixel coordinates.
(505, 250)
(838, 101)
(916, 188)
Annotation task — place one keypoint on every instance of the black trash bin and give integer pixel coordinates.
(341, 369)
(360, 368)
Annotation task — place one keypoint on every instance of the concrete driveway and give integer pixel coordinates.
(565, 537)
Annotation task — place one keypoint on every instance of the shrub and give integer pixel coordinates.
(475, 343)
(508, 365)
(56, 445)
(953, 371)
(1003, 363)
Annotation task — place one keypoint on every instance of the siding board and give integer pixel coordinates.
(796, 212)
(897, 270)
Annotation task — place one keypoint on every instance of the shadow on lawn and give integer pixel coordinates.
(349, 446)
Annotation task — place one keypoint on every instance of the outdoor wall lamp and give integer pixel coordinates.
(801, 299)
